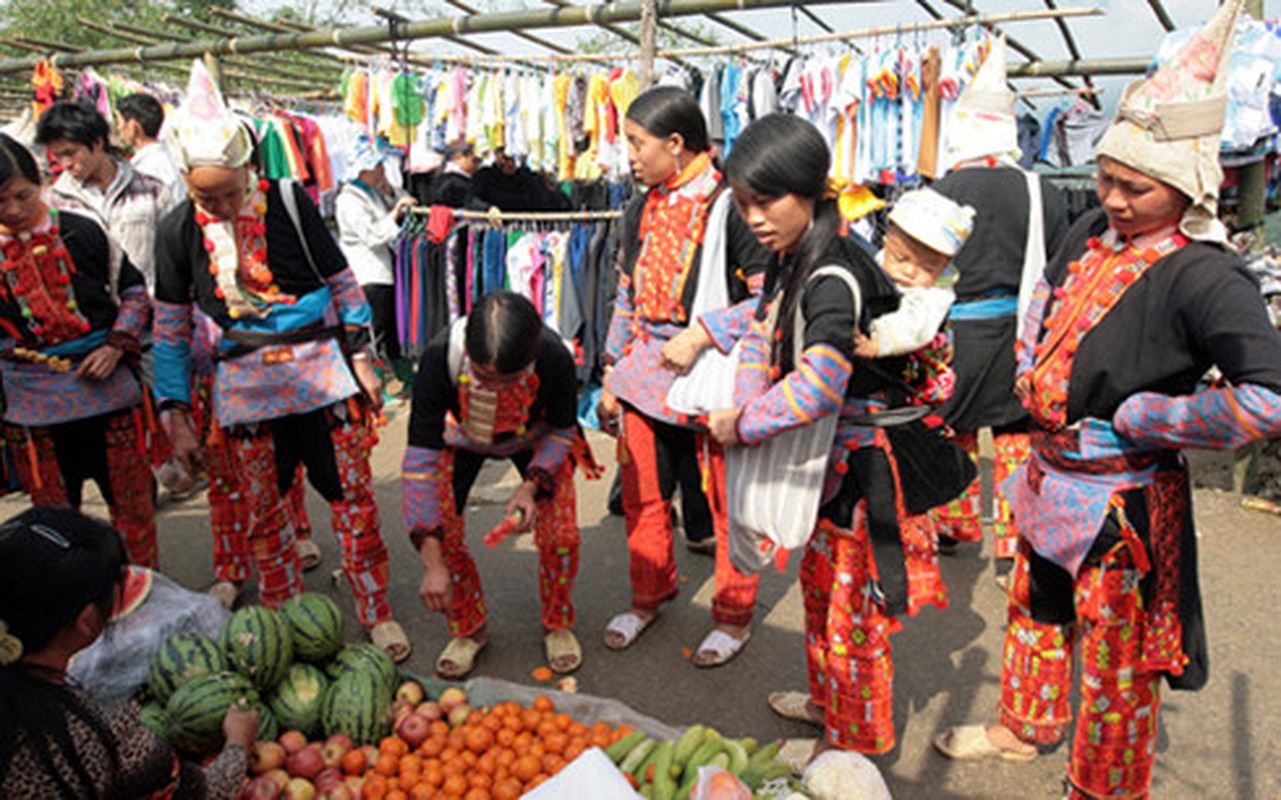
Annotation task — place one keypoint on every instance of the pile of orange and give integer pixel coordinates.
(497, 754)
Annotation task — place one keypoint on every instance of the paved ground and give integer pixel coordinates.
(1223, 742)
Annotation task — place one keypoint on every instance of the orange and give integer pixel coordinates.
(396, 794)
(439, 727)
(536, 782)
(507, 790)
(410, 763)
(563, 721)
(478, 781)
(543, 703)
(487, 764)
(454, 786)
(432, 746)
(527, 767)
(492, 723)
(546, 728)
(432, 776)
(468, 758)
(353, 763)
(386, 765)
(556, 743)
(505, 737)
(394, 745)
(422, 792)
(577, 728)
(623, 731)
(407, 781)
(477, 794)
(553, 763)
(530, 718)
(374, 788)
(479, 739)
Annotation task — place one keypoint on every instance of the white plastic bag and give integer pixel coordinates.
(844, 775)
(715, 783)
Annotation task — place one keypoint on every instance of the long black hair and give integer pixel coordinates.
(16, 161)
(504, 331)
(777, 155)
(53, 563)
(665, 110)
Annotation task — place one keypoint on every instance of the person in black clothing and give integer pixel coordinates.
(510, 186)
(454, 183)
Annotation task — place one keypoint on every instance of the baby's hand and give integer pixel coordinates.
(865, 346)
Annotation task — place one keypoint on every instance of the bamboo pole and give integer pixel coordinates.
(648, 43)
(529, 37)
(1096, 66)
(317, 61)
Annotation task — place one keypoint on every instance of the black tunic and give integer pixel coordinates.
(991, 264)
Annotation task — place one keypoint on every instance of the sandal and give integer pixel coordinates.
(972, 743)
(794, 705)
(718, 648)
(226, 593)
(391, 639)
(797, 754)
(627, 627)
(564, 653)
(308, 554)
(458, 657)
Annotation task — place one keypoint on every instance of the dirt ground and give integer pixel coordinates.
(1223, 742)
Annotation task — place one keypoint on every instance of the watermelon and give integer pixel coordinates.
(359, 705)
(197, 708)
(297, 700)
(257, 644)
(365, 658)
(316, 626)
(154, 718)
(180, 659)
(268, 727)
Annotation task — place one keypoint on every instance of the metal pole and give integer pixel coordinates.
(648, 42)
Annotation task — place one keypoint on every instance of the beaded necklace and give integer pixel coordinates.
(1094, 284)
(486, 411)
(36, 277)
(238, 258)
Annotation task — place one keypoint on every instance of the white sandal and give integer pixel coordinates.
(718, 647)
(628, 626)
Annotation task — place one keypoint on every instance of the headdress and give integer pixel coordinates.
(204, 132)
(935, 221)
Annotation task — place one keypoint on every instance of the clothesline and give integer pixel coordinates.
(526, 216)
(776, 44)
(1084, 91)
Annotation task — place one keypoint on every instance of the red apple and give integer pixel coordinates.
(400, 709)
(292, 741)
(355, 783)
(299, 789)
(342, 739)
(278, 776)
(339, 792)
(332, 752)
(266, 757)
(306, 763)
(371, 755)
(451, 698)
(414, 730)
(328, 778)
(262, 788)
(429, 711)
(411, 691)
(458, 715)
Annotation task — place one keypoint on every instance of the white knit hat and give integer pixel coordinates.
(983, 123)
(1167, 126)
(935, 221)
(203, 132)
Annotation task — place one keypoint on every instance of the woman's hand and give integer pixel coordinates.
(865, 347)
(99, 364)
(402, 207)
(609, 412)
(182, 435)
(523, 505)
(681, 351)
(723, 425)
(240, 725)
(434, 591)
(363, 367)
(1023, 388)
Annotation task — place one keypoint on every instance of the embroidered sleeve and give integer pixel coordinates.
(172, 349)
(620, 324)
(813, 390)
(1222, 418)
(353, 309)
(1024, 349)
(551, 451)
(727, 325)
(134, 315)
(426, 475)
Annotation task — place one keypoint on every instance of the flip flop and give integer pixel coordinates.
(628, 626)
(971, 743)
(797, 754)
(792, 705)
(718, 648)
(461, 653)
(391, 639)
(562, 646)
(308, 554)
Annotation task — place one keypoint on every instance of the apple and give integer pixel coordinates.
(278, 776)
(451, 698)
(306, 763)
(292, 741)
(400, 709)
(339, 792)
(430, 711)
(458, 715)
(411, 691)
(355, 783)
(342, 739)
(262, 788)
(327, 779)
(414, 730)
(331, 752)
(299, 789)
(266, 757)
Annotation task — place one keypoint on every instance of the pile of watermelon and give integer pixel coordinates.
(291, 663)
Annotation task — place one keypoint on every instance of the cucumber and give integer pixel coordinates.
(688, 743)
(618, 750)
(633, 760)
(737, 754)
(664, 786)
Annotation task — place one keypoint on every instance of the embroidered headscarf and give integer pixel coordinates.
(1167, 125)
(366, 153)
(983, 123)
(204, 132)
(935, 221)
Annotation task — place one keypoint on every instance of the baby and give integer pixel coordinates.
(926, 232)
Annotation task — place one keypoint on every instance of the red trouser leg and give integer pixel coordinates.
(648, 515)
(816, 578)
(734, 595)
(229, 514)
(467, 613)
(271, 532)
(296, 498)
(860, 668)
(1036, 668)
(1011, 450)
(133, 488)
(556, 536)
(36, 462)
(355, 521)
(959, 519)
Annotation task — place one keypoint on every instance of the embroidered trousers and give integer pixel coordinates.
(53, 462)
(355, 518)
(555, 536)
(649, 453)
(959, 519)
(1114, 745)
